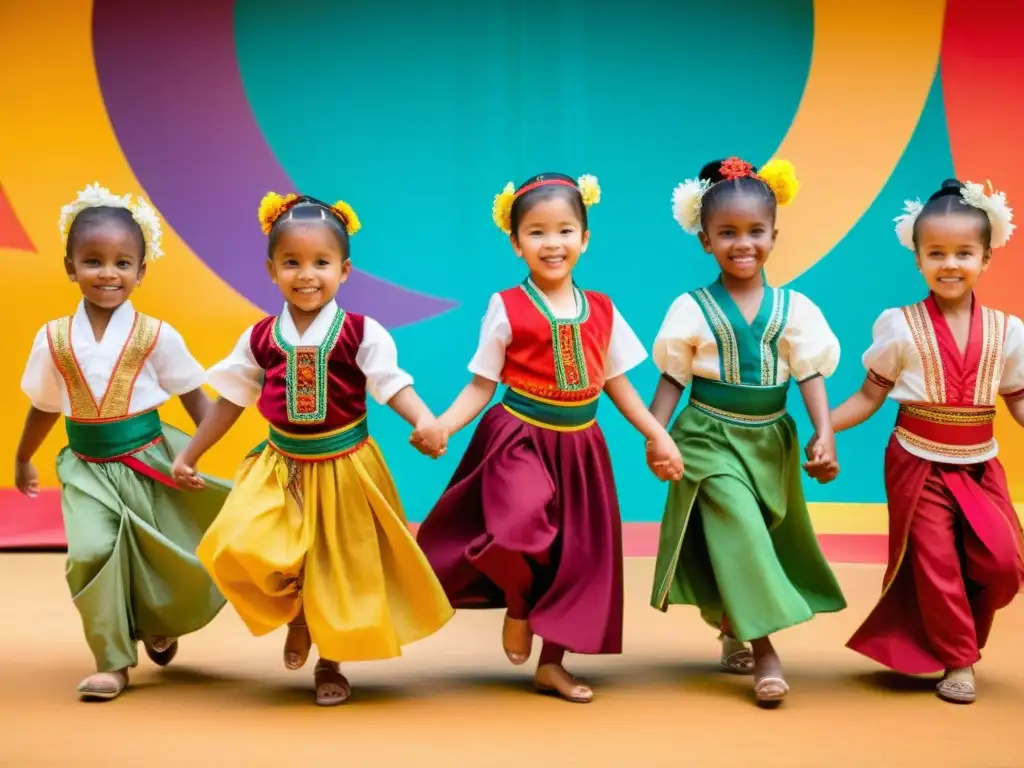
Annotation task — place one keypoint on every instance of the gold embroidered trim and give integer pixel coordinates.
(993, 323)
(739, 418)
(957, 416)
(117, 398)
(928, 349)
(724, 335)
(943, 449)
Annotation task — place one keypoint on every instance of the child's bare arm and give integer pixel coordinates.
(197, 404)
(666, 399)
(37, 426)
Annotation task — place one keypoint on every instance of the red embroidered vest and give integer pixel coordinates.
(558, 359)
(309, 390)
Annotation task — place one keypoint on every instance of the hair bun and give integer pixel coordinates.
(712, 172)
(949, 188)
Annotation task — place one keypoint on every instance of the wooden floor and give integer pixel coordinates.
(453, 700)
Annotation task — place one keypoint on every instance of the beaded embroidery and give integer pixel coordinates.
(306, 373)
(567, 344)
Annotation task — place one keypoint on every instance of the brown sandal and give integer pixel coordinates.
(326, 673)
(161, 650)
(555, 679)
(297, 645)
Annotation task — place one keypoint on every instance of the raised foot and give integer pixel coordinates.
(332, 687)
(161, 650)
(297, 645)
(103, 686)
(517, 639)
(554, 679)
(737, 659)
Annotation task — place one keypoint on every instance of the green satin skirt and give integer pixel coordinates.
(736, 538)
(131, 563)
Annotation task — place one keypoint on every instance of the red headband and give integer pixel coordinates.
(544, 182)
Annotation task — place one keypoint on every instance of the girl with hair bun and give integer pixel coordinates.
(530, 520)
(736, 536)
(954, 537)
(313, 534)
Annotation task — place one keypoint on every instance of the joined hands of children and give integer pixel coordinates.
(185, 475)
(430, 438)
(821, 461)
(664, 458)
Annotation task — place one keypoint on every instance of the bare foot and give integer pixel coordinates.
(517, 639)
(769, 685)
(103, 686)
(957, 687)
(332, 688)
(553, 678)
(736, 657)
(297, 644)
(161, 650)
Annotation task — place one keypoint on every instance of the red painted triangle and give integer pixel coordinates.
(12, 234)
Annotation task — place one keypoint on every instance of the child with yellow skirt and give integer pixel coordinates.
(313, 534)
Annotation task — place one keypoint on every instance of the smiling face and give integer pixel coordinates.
(550, 237)
(106, 260)
(951, 253)
(740, 233)
(307, 265)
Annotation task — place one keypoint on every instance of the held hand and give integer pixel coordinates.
(821, 462)
(664, 458)
(430, 438)
(26, 479)
(186, 477)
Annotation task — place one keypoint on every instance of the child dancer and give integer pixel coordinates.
(530, 520)
(736, 538)
(313, 534)
(131, 533)
(954, 538)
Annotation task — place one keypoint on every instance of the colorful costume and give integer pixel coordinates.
(314, 521)
(954, 538)
(530, 520)
(131, 532)
(736, 537)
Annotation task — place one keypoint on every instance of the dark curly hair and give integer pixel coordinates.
(571, 194)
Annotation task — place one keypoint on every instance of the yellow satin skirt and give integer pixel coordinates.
(329, 537)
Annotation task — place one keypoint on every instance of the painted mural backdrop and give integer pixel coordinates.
(418, 113)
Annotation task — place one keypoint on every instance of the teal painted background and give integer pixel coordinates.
(420, 129)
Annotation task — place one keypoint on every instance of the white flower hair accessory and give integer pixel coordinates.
(1000, 215)
(94, 196)
(905, 222)
(686, 202)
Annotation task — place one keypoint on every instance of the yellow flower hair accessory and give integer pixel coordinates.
(590, 190)
(95, 196)
(501, 211)
(780, 176)
(271, 207)
(348, 216)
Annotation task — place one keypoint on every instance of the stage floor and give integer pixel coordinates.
(453, 700)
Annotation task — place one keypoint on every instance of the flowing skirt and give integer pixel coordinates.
(132, 536)
(531, 516)
(736, 538)
(330, 538)
(954, 561)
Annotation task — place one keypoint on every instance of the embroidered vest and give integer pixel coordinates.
(554, 358)
(115, 403)
(311, 389)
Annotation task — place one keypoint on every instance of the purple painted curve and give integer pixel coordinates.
(170, 80)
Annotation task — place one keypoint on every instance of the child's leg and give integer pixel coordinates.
(552, 677)
(332, 687)
(298, 642)
(770, 685)
(513, 575)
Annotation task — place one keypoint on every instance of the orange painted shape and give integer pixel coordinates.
(872, 67)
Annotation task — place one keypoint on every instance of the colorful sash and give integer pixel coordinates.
(569, 416)
(742, 404)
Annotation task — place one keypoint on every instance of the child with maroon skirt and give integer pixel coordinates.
(530, 521)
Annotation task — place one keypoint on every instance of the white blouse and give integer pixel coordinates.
(908, 359)
(239, 378)
(169, 370)
(625, 350)
(686, 346)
